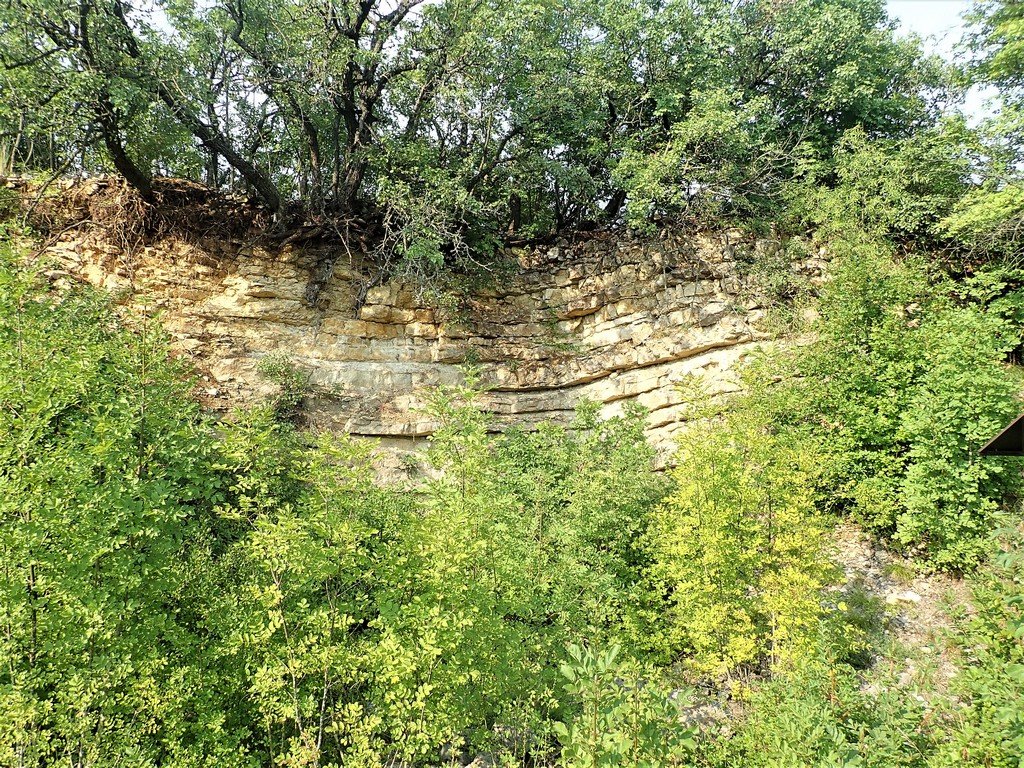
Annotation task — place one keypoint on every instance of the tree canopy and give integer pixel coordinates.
(458, 121)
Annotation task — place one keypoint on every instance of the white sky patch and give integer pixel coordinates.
(939, 22)
(941, 26)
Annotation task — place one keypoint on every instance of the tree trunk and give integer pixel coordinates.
(355, 170)
(212, 159)
(515, 206)
(216, 142)
(107, 118)
(618, 199)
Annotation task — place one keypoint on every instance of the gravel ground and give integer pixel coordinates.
(919, 612)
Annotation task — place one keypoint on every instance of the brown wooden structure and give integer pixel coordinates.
(1009, 442)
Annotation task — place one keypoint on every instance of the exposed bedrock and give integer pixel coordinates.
(607, 320)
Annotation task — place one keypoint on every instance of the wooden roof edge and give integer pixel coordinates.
(985, 449)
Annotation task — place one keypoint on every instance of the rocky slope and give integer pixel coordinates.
(604, 319)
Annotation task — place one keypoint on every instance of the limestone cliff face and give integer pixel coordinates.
(604, 319)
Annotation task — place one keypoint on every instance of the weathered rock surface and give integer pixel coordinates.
(605, 320)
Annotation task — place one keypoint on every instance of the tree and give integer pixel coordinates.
(737, 549)
(106, 495)
(443, 127)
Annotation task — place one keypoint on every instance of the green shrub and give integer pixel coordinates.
(817, 715)
(854, 626)
(899, 188)
(621, 719)
(292, 383)
(106, 494)
(988, 727)
(584, 497)
(901, 389)
(953, 497)
(737, 549)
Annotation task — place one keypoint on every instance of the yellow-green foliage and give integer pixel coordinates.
(177, 593)
(904, 382)
(624, 719)
(738, 549)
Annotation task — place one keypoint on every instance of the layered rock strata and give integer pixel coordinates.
(603, 319)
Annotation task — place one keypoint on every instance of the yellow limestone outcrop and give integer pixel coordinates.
(604, 319)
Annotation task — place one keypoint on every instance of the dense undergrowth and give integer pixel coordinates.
(179, 591)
